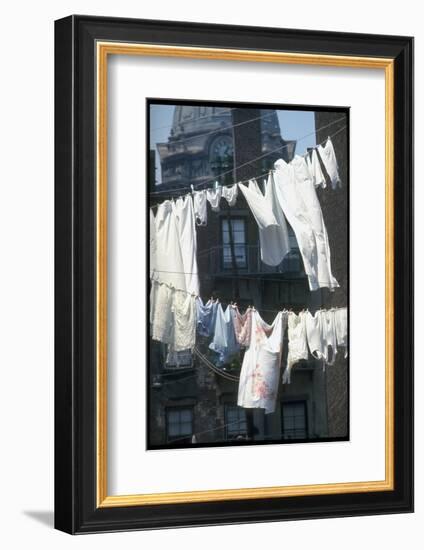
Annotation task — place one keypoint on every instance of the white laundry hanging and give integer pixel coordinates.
(274, 240)
(329, 160)
(272, 227)
(214, 197)
(174, 279)
(299, 202)
(161, 314)
(184, 321)
(260, 371)
(297, 343)
(307, 191)
(154, 286)
(152, 243)
(321, 335)
(330, 336)
(230, 194)
(169, 263)
(318, 178)
(314, 335)
(340, 320)
(184, 214)
(260, 208)
(200, 207)
(172, 317)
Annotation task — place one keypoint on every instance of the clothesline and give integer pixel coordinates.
(226, 300)
(319, 334)
(229, 185)
(200, 118)
(229, 276)
(222, 299)
(169, 382)
(181, 370)
(208, 363)
(279, 202)
(213, 180)
(225, 128)
(215, 369)
(312, 345)
(179, 317)
(290, 193)
(207, 431)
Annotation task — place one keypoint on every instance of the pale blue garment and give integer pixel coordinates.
(224, 341)
(206, 314)
(232, 344)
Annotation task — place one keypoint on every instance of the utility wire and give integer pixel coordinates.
(200, 118)
(178, 381)
(214, 368)
(215, 178)
(206, 431)
(232, 300)
(240, 275)
(224, 128)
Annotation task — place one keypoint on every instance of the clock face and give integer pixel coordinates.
(221, 148)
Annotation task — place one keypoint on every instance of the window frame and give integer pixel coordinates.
(305, 409)
(222, 221)
(227, 407)
(179, 408)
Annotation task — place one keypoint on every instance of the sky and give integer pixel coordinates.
(293, 125)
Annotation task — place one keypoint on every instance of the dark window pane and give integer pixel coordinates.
(294, 424)
(179, 423)
(235, 419)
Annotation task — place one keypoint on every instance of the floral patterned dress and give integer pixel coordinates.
(260, 372)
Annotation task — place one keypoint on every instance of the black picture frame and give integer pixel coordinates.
(76, 509)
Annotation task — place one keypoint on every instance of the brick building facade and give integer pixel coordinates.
(189, 403)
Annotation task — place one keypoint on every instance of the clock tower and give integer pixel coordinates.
(200, 146)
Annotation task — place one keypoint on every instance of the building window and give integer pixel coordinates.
(238, 227)
(235, 421)
(294, 420)
(179, 424)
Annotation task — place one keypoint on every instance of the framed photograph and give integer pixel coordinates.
(234, 274)
(242, 256)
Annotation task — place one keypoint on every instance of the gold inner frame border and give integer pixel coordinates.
(103, 50)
